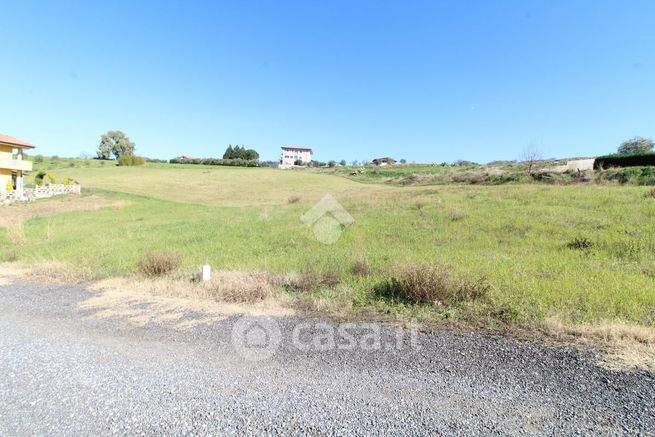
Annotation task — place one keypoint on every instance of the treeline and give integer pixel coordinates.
(216, 161)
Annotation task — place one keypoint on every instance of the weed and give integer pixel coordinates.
(159, 263)
(293, 199)
(424, 283)
(580, 243)
(360, 268)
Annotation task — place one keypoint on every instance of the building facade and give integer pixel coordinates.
(12, 164)
(292, 154)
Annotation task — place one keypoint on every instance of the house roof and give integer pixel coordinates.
(6, 139)
(295, 148)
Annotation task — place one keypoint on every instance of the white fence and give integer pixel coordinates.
(39, 192)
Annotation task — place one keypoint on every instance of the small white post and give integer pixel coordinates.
(206, 273)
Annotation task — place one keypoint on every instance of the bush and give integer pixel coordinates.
(51, 178)
(38, 159)
(159, 263)
(293, 199)
(650, 194)
(636, 160)
(38, 179)
(10, 186)
(424, 283)
(129, 160)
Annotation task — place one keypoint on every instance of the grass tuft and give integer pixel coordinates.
(155, 264)
(424, 283)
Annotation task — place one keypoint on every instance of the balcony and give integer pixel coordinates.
(16, 164)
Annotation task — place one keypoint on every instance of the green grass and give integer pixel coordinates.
(515, 236)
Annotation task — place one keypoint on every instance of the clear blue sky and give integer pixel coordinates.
(421, 80)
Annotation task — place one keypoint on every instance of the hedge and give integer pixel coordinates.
(213, 161)
(636, 160)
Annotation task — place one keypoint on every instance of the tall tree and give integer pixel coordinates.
(115, 143)
(636, 145)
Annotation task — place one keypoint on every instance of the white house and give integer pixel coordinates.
(291, 154)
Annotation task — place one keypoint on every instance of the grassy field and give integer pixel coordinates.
(580, 253)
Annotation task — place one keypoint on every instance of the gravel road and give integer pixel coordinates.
(65, 371)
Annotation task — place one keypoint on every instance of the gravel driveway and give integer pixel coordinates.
(64, 371)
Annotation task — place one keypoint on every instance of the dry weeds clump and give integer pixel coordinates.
(628, 346)
(54, 272)
(424, 283)
(307, 281)
(155, 264)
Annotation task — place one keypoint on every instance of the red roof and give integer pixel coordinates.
(295, 148)
(6, 139)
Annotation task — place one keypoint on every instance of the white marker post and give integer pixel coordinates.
(206, 273)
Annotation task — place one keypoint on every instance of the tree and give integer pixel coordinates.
(531, 154)
(403, 161)
(332, 163)
(636, 145)
(355, 163)
(115, 143)
(240, 152)
(342, 162)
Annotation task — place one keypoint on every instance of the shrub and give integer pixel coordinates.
(67, 181)
(650, 194)
(159, 263)
(424, 283)
(294, 199)
(51, 178)
(129, 160)
(10, 186)
(455, 216)
(40, 176)
(38, 159)
(636, 160)
(580, 243)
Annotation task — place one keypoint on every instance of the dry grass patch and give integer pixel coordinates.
(17, 213)
(627, 346)
(168, 300)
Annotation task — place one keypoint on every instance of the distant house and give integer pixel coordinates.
(384, 161)
(292, 154)
(12, 165)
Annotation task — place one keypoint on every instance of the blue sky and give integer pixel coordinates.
(420, 80)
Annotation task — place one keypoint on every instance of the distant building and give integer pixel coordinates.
(384, 161)
(292, 154)
(12, 165)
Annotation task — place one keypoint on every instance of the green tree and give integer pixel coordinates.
(636, 145)
(229, 152)
(115, 143)
(342, 162)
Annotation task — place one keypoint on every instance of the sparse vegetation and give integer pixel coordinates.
(514, 235)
